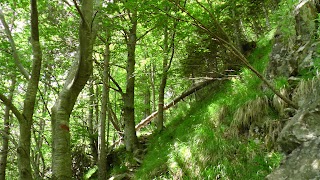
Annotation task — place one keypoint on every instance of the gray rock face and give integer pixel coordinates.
(304, 126)
(302, 164)
(287, 59)
(300, 137)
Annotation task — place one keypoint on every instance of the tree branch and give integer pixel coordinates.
(117, 84)
(199, 86)
(12, 107)
(14, 50)
(145, 33)
(80, 13)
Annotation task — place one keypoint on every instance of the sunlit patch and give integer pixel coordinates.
(315, 164)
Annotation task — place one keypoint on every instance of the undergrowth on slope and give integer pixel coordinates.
(199, 142)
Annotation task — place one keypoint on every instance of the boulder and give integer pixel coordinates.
(302, 164)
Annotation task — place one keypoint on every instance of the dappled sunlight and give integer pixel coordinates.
(199, 142)
(316, 164)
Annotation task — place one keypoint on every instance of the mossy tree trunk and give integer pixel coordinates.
(77, 77)
(25, 118)
(130, 137)
(103, 114)
(24, 164)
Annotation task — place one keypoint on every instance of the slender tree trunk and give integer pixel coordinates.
(130, 137)
(266, 15)
(153, 86)
(163, 83)
(75, 82)
(6, 133)
(38, 135)
(25, 119)
(103, 116)
(147, 95)
(93, 139)
(24, 164)
(236, 29)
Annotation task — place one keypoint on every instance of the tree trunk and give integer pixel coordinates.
(163, 83)
(130, 137)
(92, 136)
(75, 82)
(146, 93)
(38, 135)
(24, 164)
(6, 131)
(103, 116)
(153, 84)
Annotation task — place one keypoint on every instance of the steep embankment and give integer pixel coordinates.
(235, 132)
(300, 137)
(205, 142)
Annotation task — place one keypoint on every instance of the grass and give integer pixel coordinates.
(199, 142)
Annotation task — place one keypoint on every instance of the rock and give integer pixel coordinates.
(305, 14)
(303, 127)
(302, 164)
(308, 55)
(300, 137)
(280, 61)
(289, 59)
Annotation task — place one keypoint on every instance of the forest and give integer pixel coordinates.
(152, 89)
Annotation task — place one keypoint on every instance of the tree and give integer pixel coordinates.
(166, 63)
(131, 140)
(77, 78)
(6, 133)
(104, 111)
(26, 118)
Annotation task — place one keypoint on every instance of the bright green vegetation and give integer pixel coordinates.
(107, 65)
(200, 143)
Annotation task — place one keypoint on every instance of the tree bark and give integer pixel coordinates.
(25, 119)
(153, 84)
(92, 136)
(147, 100)
(6, 131)
(130, 137)
(159, 122)
(77, 77)
(103, 116)
(24, 164)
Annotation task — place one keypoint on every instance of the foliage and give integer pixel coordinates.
(198, 142)
(283, 19)
(80, 161)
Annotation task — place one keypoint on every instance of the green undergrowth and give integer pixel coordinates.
(199, 143)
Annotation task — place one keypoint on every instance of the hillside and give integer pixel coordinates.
(235, 130)
(202, 140)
